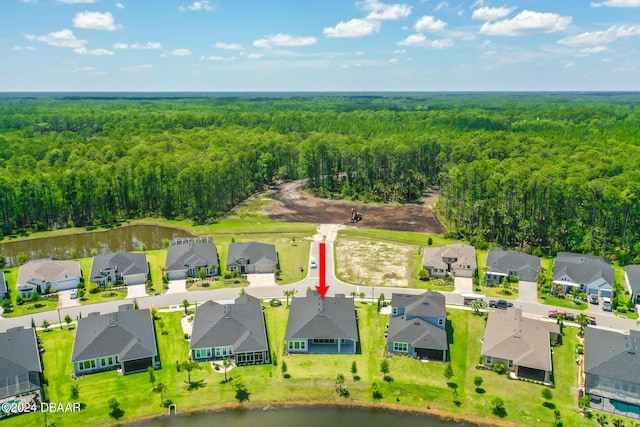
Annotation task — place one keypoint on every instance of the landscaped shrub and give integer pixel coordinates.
(500, 368)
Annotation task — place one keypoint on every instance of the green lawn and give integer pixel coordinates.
(207, 285)
(568, 303)
(498, 291)
(27, 308)
(103, 296)
(414, 383)
(157, 260)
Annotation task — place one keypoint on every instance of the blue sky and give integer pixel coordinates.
(319, 45)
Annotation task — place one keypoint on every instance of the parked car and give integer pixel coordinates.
(501, 304)
(606, 304)
(73, 294)
(313, 264)
(593, 299)
(592, 320)
(565, 315)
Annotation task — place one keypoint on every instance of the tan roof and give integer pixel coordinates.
(511, 336)
(465, 254)
(47, 270)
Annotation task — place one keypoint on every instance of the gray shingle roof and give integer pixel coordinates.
(252, 251)
(47, 270)
(583, 268)
(501, 261)
(465, 255)
(428, 304)
(606, 354)
(128, 333)
(526, 341)
(19, 357)
(124, 263)
(3, 283)
(633, 275)
(179, 257)
(240, 325)
(418, 332)
(328, 317)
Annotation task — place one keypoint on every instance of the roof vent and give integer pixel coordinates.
(113, 320)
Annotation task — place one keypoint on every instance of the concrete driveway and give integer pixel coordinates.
(528, 292)
(464, 285)
(64, 299)
(136, 291)
(261, 280)
(177, 286)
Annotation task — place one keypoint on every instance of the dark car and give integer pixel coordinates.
(501, 304)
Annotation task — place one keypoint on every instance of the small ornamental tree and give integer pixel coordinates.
(161, 388)
(448, 371)
(477, 381)
(202, 274)
(547, 395)
(67, 320)
(354, 369)
(152, 377)
(284, 369)
(384, 368)
(185, 304)
(45, 325)
(75, 393)
(497, 405)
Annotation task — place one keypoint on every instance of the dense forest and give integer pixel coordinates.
(543, 172)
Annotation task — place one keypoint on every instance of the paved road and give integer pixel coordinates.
(276, 291)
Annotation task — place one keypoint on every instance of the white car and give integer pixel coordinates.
(606, 304)
(313, 264)
(73, 294)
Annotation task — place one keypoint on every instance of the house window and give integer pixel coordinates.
(489, 360)
(297, 345)
(324, 341)
(510, 364)
(400, 346)
(395, 311)
(440, 321)
(203, 353)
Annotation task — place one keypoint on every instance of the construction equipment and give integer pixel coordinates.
(355, 216)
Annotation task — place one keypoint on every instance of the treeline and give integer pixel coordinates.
(544, 172)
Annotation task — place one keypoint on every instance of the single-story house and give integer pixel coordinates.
(4, 291)
(119, 268)
(235, 330)
(522, 344)
(632, 280)
(418, 326)
(612, 370)
(456, 259)
(20, 367)
(252, 257)
(503, 263)
(322, 325)
(44, 274)
(122, 340)
(185, 259)
(591, 274)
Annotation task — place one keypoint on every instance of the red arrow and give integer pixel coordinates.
(323, 288)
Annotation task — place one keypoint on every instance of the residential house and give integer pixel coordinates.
(119, 268)
(4, 291)
(502, 264)
(20, 367)
(418, 326)
(590, 274)
(186, 257)
(123, 340)
(522, 344)
(632, 280)
(235, 330)
(322, 325)
(456, 259)
(252, 257)
(45, 274)
(612, 370)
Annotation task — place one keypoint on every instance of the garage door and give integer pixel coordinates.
(177, 274)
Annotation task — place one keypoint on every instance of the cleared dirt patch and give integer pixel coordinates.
(292, 203)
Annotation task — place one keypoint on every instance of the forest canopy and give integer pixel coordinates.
(543, 172)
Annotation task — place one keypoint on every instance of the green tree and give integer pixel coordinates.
(477, 381)
(584, 402)
(448, 371)
(68, 320)
(185, 304)
(6, 305)
(477, 305)
(202, 274)
(497, 405)
(384, 368)
(354, 369)
(289, 294)
(152, 377)
(429, 241)
(583, 321)
(3, 262)
(116, 412)
(240, 387)
(226, 363)
(190, 365)
(161, 388)
(45, 325)
(339, 386)
(547, 395)
(75, 393)
(283, 367)
(21, 258)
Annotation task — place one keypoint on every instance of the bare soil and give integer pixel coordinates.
(293, 203)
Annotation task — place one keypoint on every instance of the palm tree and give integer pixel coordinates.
(226, 363)
(288, 294)
(583, 321)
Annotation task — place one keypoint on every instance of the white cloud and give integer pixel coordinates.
(381, 11)
(606, 60)
(147, 46)
(252, 55)
(283, 40)
(420, 40)
(140, 67)
(429, 24)
(76, 1)
(30, 1)
(95, 21)
(601, 37)
(527, 22)
(120, 46)
(569, 65)
(97, 52)
(353, 28)
(228, 46)
(24, 48)
(441, 5)
(400, 51)
(119, 5)
(198, 6)
(491, 13)
(594, 49)
(219, 58)
(62, 38)
(181, 52)
(617, 3)
(393, 60)
(87, 68)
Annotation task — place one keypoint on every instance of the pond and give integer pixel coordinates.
(307, 416)
(125, 238)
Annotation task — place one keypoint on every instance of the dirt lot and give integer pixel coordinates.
(292, 203)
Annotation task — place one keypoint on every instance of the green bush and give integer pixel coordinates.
(500, 368)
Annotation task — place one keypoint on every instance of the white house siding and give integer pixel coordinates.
(135, 279)
(67, 282)
(177, 274)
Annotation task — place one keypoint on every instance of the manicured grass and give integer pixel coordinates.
(408, 237)
(207, 285)
(498, 292)
(103, 296)
(435, 285)
(27, 308)
(157, 260)
(568, 303)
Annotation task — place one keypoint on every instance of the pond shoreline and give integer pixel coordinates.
(356, 404)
